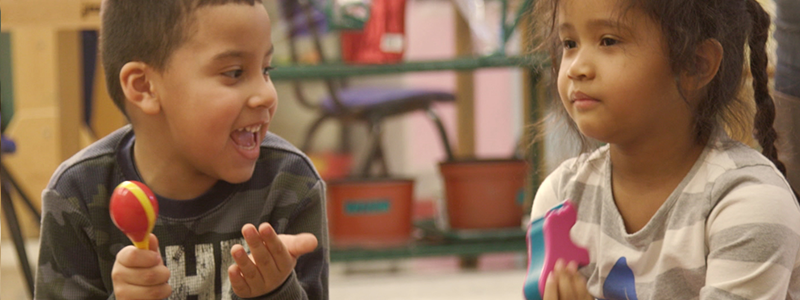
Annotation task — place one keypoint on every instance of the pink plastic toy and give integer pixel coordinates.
(548, 241)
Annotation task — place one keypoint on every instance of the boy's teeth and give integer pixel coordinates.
(253, 129)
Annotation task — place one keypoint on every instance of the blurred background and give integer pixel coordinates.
(418, 114)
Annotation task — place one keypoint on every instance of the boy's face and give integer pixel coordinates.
(216, 97)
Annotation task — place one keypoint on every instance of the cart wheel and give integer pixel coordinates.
(469, 262)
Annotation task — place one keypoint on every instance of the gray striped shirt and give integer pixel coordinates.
(730, 230)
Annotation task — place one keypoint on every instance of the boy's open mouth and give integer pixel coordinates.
(246, 137)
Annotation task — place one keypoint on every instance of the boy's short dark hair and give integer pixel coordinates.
(147, 31)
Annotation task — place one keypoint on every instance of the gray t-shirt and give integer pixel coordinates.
(730, 230)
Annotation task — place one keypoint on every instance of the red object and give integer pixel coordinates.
(484, 194)
(332, 165)
(134, 209)
(383, 38)
(370, 213)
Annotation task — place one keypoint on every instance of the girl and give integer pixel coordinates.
(670, 207)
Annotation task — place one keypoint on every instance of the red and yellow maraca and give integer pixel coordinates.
(134, 209)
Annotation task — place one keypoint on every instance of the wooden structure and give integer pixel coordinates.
(47, 79)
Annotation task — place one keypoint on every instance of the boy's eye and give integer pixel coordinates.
(608, 42)
(234, 73)
(266, 70)
(568, 44)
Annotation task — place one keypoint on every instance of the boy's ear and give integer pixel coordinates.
(709, 56)
(137, 85)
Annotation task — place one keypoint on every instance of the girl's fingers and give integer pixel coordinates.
(565, 283)
(550, 288)
(247, 268)
(566, 289)
(238, 283)
(579, 283)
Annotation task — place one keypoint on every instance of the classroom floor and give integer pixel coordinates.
(497, 276)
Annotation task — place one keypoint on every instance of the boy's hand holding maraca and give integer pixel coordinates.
(138, 272)
(272, 258)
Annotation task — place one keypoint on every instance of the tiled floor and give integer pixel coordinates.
(498, 276)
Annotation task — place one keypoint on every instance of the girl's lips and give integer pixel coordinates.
(578, 96)
(582, 101)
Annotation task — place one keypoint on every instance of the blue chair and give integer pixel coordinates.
(350, 105)
(12, 221)
(8, 146)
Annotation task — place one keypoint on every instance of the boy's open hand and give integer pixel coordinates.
(565, 283)
(272, 259)
(140, 274)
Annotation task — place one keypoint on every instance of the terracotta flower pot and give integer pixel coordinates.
(370, 212)
(484, 194)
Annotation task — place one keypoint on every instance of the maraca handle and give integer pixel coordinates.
(144, 245)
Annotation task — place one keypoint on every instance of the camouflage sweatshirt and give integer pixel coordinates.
(79, 242)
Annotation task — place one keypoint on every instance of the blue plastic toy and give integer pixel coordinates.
(548, 240)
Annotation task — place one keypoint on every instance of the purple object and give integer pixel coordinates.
(299, 20)
(393, 99)
(8, 146)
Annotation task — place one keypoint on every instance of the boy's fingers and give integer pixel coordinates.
(154, 244)
(143, 292)
(261, 256)
(299, 244)
(149, 276)
(275, 246)
(131, 257)
(248, 270)
(238, 283)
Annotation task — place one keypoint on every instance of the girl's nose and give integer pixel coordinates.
(581, 67)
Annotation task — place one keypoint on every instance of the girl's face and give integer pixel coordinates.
(615, 80)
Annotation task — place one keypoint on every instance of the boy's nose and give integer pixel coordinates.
(264, 95)
(581, 68)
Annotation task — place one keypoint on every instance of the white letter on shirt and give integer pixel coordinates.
(201, 284)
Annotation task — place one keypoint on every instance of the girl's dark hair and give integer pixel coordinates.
(686, 24)
(147, 31)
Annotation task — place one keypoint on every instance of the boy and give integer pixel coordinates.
(192, 77)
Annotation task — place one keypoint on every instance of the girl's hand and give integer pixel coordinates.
(140, 274)
(272, 259)
(565, 283)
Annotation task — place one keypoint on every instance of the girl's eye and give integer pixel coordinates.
(266, 70)
(608, 42)
(568, 44)
(234, 73)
